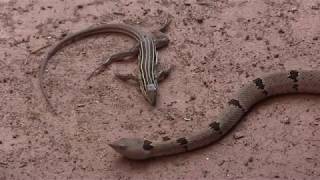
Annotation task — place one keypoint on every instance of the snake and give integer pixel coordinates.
(241, 102)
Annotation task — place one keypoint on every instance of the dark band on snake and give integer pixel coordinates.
(260, 85)
(215, 126)
(236, 103)
(294, 75)
(147, 145)
(182, 141)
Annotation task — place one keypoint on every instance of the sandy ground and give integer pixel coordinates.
(215, 46)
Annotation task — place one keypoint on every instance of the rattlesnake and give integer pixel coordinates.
(289, 82)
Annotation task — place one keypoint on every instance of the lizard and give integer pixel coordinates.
(148, 76)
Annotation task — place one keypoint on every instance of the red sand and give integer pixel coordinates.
(215, 47)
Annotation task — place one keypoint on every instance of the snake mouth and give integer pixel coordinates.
(117, 147)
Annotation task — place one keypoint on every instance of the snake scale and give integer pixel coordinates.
(288, 82)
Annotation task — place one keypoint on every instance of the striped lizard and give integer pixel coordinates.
(148, 76)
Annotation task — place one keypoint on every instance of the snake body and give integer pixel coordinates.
(289, 82)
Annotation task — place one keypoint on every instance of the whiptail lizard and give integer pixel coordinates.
(148, 76)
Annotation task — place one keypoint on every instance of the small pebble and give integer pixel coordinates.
(259, 38)
(63, 35)
(165, 138)
(293, 10)
(80, 105)
(170, 117)
(200, 20)
(285, 121)
(221, 162)
(281, 31)
(187, 119)
(192, 98)
(162, 132)
(205, 173)
(119, 13)
(248, 161)
(238, 135)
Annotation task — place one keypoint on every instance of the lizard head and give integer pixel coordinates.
(150, 93)
(132, 148)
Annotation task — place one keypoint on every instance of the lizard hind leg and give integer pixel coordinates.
(160, 38)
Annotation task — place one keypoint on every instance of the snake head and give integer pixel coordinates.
(132, 148)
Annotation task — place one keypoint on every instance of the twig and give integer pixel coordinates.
(39, 49)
